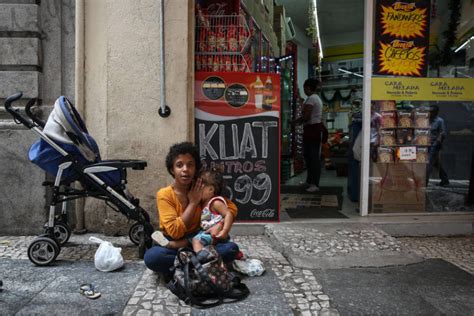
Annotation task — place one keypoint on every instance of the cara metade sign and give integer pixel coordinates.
(402, 37)
(237, 130)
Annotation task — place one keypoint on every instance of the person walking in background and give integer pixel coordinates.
(314, 132)
(438, 134)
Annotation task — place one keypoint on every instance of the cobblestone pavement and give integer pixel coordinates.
(458, 250)
(316, 242)
(304, 294)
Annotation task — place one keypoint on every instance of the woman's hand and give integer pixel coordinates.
(195, 193)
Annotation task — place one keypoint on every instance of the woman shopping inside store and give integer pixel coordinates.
(314, 133)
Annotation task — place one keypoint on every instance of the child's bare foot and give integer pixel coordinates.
(160, 239)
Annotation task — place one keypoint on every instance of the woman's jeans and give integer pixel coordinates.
(161, 260)
(312, 157)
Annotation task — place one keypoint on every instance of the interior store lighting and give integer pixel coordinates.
(317, 29)
(464, 44)
(350, 72)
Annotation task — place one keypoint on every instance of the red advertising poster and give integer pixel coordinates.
(402, 37)
(238, 130)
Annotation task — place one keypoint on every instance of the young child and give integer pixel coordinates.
(216, 218)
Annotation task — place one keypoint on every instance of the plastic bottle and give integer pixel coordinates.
(258, 86)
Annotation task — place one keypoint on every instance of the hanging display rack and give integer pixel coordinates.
(222, 43)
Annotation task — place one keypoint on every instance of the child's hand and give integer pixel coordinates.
(214, 230)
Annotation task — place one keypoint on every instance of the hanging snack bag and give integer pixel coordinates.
(422, 119)
(405, 119)
(385, 155)
(404, 136)
(387, 137)
(389, 119)
(422, 154)
(422, 137)
(211, 41)
(387, 105)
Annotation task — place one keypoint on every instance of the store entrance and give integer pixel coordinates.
(333, 54)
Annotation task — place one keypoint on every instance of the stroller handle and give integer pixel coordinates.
(15, 112)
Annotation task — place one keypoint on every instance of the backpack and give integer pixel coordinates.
(203, 280)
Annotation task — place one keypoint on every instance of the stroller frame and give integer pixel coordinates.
(44, 249)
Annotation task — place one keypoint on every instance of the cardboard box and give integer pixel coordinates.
(398, 188)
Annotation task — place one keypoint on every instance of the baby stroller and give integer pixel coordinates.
(67, 151)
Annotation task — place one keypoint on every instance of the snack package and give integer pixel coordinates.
(387, 137)
(422, 137)
(405, 119)
(385, 155)
(389, 119)
(422, 119)
(422, 154)
(404, 136)
(387, 105)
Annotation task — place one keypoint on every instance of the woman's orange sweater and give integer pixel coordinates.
(170, 211)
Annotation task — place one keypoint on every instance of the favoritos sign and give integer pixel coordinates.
(402, 38)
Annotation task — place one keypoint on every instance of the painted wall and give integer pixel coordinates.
(122, 92)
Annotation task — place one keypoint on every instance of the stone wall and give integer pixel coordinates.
(37, 58)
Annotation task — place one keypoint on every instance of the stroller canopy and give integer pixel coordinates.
(65, 126)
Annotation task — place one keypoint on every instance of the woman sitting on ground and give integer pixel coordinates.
(180, 208)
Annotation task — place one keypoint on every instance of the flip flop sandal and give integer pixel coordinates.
(88, 291)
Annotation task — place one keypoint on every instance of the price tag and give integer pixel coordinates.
(408, 153)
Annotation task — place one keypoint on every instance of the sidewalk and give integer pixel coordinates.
(322, 269)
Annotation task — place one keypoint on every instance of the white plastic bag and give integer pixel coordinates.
(250, 267)
(107, 258)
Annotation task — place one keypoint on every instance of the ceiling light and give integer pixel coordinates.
(317, 29)
(350, 72)
(464, 44)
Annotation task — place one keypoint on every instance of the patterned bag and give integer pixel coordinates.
(203, 280)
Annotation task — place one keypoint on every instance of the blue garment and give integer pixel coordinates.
(437, 128)
(161, 259)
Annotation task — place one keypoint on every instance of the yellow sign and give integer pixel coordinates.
(404, 20)
(422, 89)
(401, 58)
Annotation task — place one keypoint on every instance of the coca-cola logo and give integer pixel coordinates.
(266, 213)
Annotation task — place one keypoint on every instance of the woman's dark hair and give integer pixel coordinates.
(182, 149)
(213, 176)
(312, 83)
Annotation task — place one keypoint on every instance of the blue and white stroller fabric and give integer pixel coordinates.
(66, 128)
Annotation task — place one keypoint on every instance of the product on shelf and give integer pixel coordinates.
(405, 119)
(422, 119)
(387, 137)
(422, 154)
(389, 119)
(387, 105)
(385, 154)
(422, 137)
(404, 136)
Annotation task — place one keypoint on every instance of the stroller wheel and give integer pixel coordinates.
(42, 251)
(134, 233)
(62, 232)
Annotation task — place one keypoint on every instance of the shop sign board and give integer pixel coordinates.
(422, 89)
(402, 37)
(237, 130)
